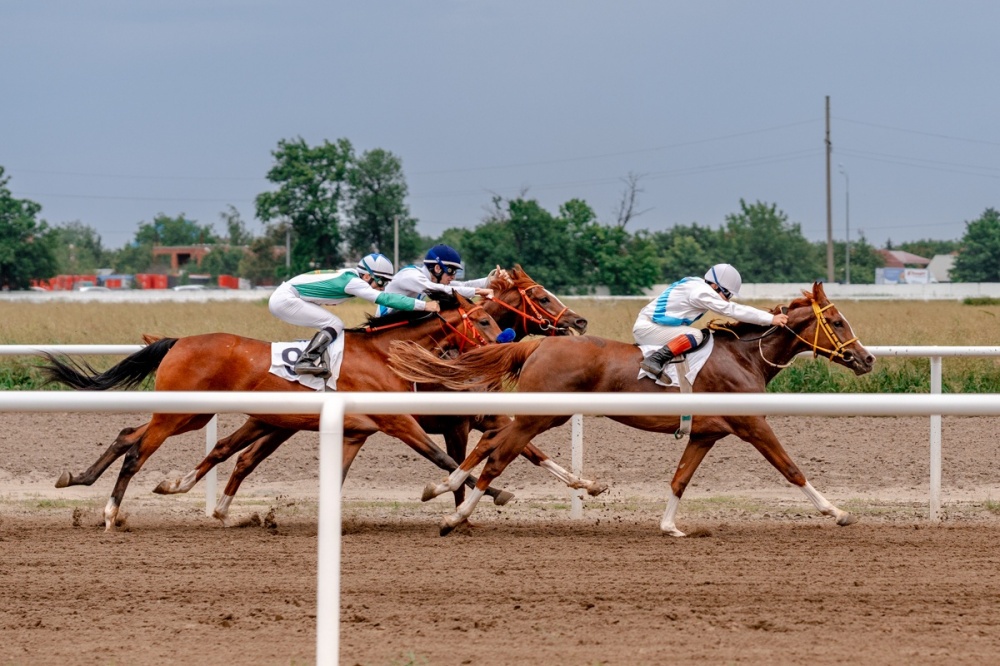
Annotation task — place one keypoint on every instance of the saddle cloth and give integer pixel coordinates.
(696, 359)
(285, 354)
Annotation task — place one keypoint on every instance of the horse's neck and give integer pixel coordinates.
(422, 332)
(780, 349)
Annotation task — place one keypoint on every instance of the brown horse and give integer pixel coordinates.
(226, 362)
(518, 303)
(745, 358)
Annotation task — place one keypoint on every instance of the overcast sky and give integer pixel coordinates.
(112, 112)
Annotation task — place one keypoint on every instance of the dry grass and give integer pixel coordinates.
(875, 322)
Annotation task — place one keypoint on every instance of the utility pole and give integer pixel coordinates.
(847, 217)
(395, 242)
(829, 205)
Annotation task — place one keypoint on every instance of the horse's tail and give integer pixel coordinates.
(127, 374)
(481, 369)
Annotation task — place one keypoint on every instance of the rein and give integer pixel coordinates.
(469, 334)
(540, 315)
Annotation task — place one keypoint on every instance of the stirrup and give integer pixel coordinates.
(314, 367)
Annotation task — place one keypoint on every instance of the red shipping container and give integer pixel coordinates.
(113, 283)
(159, 282)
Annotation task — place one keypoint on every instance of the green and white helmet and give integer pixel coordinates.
(378, 266)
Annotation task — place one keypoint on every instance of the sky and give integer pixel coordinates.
(112, 112)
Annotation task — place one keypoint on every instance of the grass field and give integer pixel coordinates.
(875, 323)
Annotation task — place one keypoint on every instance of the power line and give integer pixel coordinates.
(908, 131)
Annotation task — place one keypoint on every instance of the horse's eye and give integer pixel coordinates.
(544, 300)
(838, 324)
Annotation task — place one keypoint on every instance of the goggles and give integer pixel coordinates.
(725, 292)
(379, 280)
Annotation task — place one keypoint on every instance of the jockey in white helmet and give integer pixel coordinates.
(667, 319)
(299, 301)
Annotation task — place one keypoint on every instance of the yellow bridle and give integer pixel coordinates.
(831, 336)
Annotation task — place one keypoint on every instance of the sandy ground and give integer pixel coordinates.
(762, 579)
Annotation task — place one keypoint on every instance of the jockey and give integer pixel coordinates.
(298, 301)
(437, 274)
(667, 319)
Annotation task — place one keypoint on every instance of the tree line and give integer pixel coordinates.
(332, 205)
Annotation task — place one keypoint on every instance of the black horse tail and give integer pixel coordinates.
(127, 374)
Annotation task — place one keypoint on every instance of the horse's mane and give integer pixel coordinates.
(447, 301)
(516, 279)
(741, 328)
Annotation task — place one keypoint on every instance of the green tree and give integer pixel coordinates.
(311, 182)
(166, 230)
(376, 200)
(236, 229)
(26, 246)
(765, 247)
(687, 251)
(864, 260)
(223, 260)
(928, 248)
(78, 249)
(264, 261)
(979, 257)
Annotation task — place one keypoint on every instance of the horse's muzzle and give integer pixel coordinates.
(861, 363)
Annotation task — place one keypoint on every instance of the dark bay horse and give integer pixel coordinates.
(745, 358)
(226, 362)
(518, 303)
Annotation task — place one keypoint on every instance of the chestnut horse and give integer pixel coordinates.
(518, 303)
(226, 362)
(745, 358)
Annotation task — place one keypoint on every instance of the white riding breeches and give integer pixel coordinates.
(286, 304)
(648, 333)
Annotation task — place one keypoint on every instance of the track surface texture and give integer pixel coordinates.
(761, 579)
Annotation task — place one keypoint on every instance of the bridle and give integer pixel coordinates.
(823, 325)
(469, 334)
(537, 315)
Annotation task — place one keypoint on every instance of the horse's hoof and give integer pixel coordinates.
(847, 519)
(64, 480)
(597, 488)
(430, 492)
(503, 497)
(672, 531)
(445, 528)
(163, 488)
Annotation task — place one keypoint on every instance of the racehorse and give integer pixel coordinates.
(226, 362)
(518, 303)
(744, 359)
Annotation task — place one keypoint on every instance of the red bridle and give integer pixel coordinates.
(538, 315)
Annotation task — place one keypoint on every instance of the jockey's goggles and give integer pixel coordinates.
(447, 270)
(722, 290)
(379, 280)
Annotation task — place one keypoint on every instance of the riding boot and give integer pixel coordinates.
(657, 361)
(313, 360)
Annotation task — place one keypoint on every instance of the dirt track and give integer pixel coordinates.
(762, 579)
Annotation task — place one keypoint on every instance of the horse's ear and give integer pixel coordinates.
(818, 293)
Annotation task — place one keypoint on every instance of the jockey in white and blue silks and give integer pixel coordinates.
(437, 274)
(667, 320)
(299, 301)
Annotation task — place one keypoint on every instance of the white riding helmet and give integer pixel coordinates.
(378, 266)
(726, 277)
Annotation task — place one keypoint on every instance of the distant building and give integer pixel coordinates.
(941, 265)
(903, 268)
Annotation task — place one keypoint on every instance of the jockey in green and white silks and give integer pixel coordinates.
(299, 301)
(667, 319)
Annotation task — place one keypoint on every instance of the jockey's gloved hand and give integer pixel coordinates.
(506, 335)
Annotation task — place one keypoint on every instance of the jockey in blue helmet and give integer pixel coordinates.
(441, 263)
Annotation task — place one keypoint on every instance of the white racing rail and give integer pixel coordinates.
(332, 407)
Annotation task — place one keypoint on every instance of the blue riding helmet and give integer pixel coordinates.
(444, 256)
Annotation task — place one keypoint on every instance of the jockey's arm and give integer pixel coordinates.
(362, 289)
(712, 301)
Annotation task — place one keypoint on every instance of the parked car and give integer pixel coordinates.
(190, 287)
(94, 288)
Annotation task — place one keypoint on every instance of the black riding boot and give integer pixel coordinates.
(312, 361)
(657, 360)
